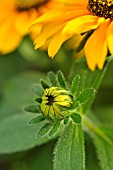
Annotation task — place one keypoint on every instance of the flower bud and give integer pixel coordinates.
(53, 100)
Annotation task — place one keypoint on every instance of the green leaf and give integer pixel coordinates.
(44, 130)
(17, 93)
(44, 84)
(37, 89)
(61, 80)
(66, 120)
(16, 135)
(85, 95)
(32, 159)
(55, 128)
(75, 84)
(75, 105)
(93, 127)
(52, 78)
(91, 156)
(89, 79)
(103, 140)
(38, 100)
(6, 67)
(36, 120)
(69, 151)
(105, 115)
(32, 108)
(76, 117)
(105, 149)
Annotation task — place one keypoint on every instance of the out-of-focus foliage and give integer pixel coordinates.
(18, 71)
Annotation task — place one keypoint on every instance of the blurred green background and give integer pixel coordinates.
(18, 71)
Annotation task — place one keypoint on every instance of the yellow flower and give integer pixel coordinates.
(15, 18)
(52, 99)
(76, 17)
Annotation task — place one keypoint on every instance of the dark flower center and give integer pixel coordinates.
(50, 100)
(101, 8)
(27, 4)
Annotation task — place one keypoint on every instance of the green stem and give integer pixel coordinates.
(95, 129)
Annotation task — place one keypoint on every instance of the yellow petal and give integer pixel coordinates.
(46, 112)
(61, 98)
(56, 43)
(48, 30)
(35, 31)
(62, 14)
(96, 47)
(57, 109)
(110, 38)
(58, 92)
(51, 112)
(48, 16)
(23, 20)
(45, 108)
(74, 2)
(65, 103)
(9, 39)
(82, 24)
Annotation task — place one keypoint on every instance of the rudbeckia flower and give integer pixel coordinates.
(78, 17)
(15, 18)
